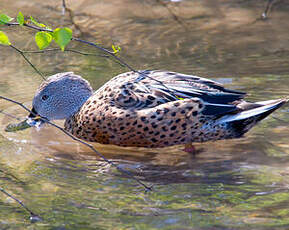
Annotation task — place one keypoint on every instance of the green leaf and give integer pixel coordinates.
(62, 36)
(4, 40)
(43, 39)
(37, 23)
(20, 18)
(4, 19)
(116, 49)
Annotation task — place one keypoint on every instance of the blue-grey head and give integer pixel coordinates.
(60, 96)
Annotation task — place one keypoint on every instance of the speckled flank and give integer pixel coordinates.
(152, 109)
(126, 113)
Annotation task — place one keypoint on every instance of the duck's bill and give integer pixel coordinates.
(14, 127)
(34, 119)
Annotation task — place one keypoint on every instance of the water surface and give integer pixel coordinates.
(232, 184)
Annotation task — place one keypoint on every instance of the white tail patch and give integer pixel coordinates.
(267, 106)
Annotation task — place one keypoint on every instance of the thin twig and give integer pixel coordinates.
(29, 26)
(268, 6)
(10, 115)
(33, 216)
(106, 51)
(63, 7)
(277, 118)
(11, 175)
(142, 75)
(148, 188)
(68, 50)
(115, 57)
(71, 16)
(26, 59)
(267, 9)
(76, 39)
(175, 17)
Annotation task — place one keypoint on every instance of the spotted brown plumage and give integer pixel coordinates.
(153, 109)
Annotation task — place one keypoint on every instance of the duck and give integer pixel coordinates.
(148, 108)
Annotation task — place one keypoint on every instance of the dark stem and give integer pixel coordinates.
(37, 28)
(268, 7)
(63, 7)
(106, 51)
(10, 115)
(26, 59)
(175, 17)
(122, 62)
(71, 16)
(68, 50)
(142, 75)
(29, 26)
(32, 214)
(11, 175)
(148, 188)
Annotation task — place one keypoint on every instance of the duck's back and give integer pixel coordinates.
(160, 108)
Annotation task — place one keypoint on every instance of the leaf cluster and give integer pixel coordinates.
(61, 36)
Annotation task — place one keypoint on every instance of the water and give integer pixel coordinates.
(233, 184)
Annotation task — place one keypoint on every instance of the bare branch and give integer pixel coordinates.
(71, 16)
(26, 59)
(33, 216)
(29, 26)
(148, 188)
(142, 75)
(12, 176)
(63, 7)
(67, 50)
(268, 7)
(10, 115)
(174, 16)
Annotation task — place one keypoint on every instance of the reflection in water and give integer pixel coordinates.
(230, 184)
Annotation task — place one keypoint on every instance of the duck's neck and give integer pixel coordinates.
(77, 106)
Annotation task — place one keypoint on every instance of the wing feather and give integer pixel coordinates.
(171, 86)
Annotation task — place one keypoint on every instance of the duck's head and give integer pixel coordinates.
(59, 97)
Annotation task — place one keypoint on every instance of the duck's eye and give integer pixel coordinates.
(44, 97)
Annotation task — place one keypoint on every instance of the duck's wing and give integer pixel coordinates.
(158, 87)
(187, 86)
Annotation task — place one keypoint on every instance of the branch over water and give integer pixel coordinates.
(33, 217)
(147, 188)
(29, 62)
(110, 53)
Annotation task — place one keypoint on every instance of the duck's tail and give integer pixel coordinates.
(245, 120)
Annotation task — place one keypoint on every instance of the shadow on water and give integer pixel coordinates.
(234, 184)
